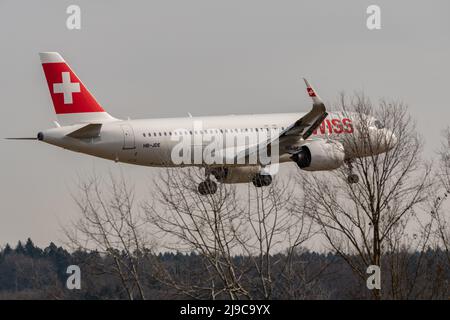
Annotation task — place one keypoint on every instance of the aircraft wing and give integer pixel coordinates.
(299, 130)
(304, 126)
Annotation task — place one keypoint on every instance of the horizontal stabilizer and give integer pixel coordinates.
(91, 130)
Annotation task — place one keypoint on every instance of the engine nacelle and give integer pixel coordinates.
(236, 174)
(320, 155)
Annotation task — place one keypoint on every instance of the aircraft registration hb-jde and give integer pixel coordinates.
(84, 126)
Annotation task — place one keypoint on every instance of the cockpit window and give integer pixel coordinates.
(378, 124)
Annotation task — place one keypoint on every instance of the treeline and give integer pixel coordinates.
(30, 272)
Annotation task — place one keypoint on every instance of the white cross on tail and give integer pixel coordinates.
(66, 87)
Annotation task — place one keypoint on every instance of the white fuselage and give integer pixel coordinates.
(149, 142)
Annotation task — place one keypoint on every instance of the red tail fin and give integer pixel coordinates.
(72, 100)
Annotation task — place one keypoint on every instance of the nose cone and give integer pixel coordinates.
(40, 136)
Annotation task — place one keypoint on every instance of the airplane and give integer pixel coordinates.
(315, 140)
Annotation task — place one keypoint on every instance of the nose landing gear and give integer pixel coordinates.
(352, 177)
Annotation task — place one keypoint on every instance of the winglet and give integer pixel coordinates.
(312, 93)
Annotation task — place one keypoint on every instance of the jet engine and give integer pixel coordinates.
(320, 155)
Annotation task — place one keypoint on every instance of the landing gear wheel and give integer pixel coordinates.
(353, 178)
(207, 187)
(262, 180)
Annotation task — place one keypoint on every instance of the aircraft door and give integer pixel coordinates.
(128, 137)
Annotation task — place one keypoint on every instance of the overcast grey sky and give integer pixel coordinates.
(146, 59)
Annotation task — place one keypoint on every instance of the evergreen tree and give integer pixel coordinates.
(19, 248)
(51, 250)
(7, 250)
(31, 250)
(60, 259)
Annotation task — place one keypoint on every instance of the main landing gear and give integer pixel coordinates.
(208, 186)
(352, 177)
(262, 180)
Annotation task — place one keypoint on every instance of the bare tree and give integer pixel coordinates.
(359, 220)
(111, 225)
(439, 210)
(206, 225)
(410, 260)
(275, 227)
(438, 204)
(236, 233)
